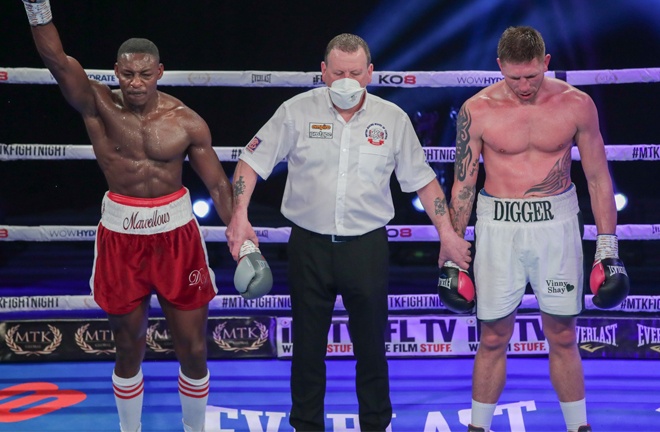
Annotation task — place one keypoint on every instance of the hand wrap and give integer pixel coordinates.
(38, 12)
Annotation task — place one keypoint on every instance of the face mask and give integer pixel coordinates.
(346, 93)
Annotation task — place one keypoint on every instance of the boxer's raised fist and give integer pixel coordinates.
(38, 12)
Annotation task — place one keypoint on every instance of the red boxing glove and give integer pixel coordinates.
(609, 280)
(456, 289)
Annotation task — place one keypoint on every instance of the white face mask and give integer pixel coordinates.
(346, 93)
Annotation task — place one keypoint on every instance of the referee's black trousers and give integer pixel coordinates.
(358, 270)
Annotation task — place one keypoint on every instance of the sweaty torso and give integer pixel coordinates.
(526, 148)
(140, 154)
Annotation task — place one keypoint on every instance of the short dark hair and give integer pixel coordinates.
(348, 43)
(520, 45)
(138, 46)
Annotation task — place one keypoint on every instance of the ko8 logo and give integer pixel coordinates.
(402, 232)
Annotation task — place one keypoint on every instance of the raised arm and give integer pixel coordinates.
(466, 169)
(70, 75)
(206, 164)
(240, 229)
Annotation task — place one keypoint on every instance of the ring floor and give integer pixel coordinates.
(428, 395)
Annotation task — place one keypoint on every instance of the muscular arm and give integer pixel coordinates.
(206, 164)
(596, 170)
(452, 247)
(70, 75)
(466, 169)
(240, 229)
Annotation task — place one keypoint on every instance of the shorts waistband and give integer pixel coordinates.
(145, 216)
(528, 210)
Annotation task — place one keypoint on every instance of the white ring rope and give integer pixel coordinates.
(396, 233)
(409, 79)
(397, 303)
(12, 152)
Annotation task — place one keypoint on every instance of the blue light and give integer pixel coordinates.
(201, 208)
(417, 204)
(621, 201)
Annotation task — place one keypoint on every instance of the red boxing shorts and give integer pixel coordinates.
(150, 244)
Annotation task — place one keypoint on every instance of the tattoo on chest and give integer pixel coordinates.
(558, 178)
(463, 151)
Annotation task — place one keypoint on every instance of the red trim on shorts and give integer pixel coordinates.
(146, 202)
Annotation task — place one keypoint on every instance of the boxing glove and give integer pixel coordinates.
(456, 289)
(608, 280)
(252, 278)
(38, 12)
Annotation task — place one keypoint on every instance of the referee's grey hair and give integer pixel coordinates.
(348, 43)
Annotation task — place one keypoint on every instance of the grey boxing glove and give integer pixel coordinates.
(253, 277)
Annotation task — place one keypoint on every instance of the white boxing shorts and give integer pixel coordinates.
(535, 241)
(150, 244)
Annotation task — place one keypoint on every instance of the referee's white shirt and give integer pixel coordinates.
(339, 173)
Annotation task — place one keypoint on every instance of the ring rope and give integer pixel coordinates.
(395, 233)
(397, 303)
(12, 152)
(408, 79)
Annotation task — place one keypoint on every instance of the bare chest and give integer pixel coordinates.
(521, 129)
(159, 139)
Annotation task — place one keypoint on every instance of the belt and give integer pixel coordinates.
(336, 238)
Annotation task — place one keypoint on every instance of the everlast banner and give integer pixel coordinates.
(82, 340)
(624, 338)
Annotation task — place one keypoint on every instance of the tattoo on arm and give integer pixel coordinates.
(460, 209)
(463, 151)
(239, 187)
(440, 206)
(557, 180)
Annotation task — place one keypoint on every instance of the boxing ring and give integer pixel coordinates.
(51, 334)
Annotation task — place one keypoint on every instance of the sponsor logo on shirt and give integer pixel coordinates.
(376, 134)
(252, 145)
(320, 130)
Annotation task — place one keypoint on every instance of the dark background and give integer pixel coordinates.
(404, 35)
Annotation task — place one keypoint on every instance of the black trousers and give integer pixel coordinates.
(358, 270)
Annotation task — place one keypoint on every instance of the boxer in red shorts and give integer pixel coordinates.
(148, 238)
(135, 230)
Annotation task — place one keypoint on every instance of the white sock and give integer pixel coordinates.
(575, 414)
(482, 414)
(193, 394)
(129, 393)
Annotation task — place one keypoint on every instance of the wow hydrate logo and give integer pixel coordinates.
(30, 400)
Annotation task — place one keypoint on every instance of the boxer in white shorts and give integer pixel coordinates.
(509, 234)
